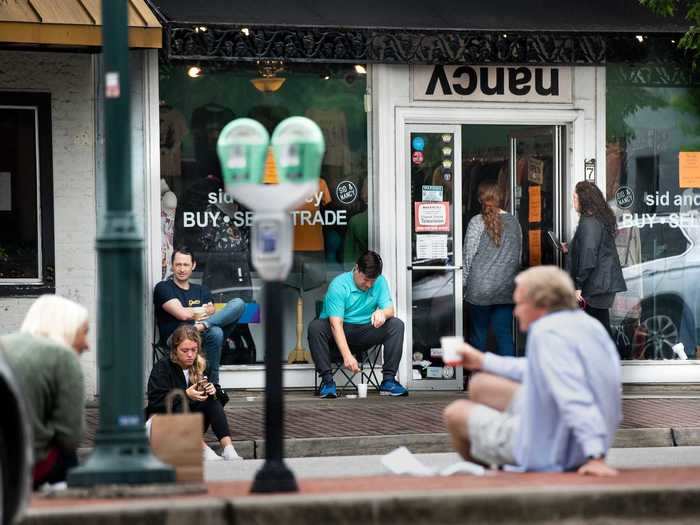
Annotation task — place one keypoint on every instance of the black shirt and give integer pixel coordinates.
(197, 295)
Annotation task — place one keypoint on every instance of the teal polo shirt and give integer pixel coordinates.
(345, 300)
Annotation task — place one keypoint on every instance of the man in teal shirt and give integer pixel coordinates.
(358, 312)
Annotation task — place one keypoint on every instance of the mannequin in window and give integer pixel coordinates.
(168, 205)
(308, 267)
(207, 122)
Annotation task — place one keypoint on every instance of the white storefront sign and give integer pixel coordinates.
(548, 84)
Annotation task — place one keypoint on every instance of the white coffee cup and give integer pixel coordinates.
(449, 345)
(362, 390)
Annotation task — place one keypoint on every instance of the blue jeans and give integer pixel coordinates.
(219, 326)
(500, 318)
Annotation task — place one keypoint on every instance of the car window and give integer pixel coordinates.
(661, 241)
(637, 245)
(627, 244)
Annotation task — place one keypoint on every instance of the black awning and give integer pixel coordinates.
(589, 16)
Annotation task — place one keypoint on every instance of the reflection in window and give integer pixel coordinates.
(648, 126)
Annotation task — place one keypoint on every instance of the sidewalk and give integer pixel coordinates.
(376, 425)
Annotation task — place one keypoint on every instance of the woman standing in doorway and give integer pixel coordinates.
(493, 246)
(593, 261)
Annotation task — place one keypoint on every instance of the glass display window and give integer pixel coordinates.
(653, 185)
(330, 228)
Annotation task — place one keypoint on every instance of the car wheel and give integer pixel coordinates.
(660, 333)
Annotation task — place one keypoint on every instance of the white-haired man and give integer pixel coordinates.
(556, 409)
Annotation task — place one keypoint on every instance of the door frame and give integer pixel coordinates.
(456, 268)
(426, 115)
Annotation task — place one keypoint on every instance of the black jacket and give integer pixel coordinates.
(593, 263)
(164, 377)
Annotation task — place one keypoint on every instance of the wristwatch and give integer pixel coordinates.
(597, 456)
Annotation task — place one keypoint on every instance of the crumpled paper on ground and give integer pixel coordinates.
(402, 461)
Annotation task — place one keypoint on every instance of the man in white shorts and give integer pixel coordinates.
(556, 409)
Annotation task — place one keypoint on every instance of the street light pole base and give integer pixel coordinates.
(274, 476)
(115, 464)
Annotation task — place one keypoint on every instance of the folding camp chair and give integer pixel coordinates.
(367, 359)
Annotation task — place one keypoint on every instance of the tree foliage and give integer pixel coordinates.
(690, 9)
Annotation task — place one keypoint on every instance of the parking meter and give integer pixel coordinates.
(242, 149)
(298, 148)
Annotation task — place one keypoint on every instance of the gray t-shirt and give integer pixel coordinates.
(490, 270)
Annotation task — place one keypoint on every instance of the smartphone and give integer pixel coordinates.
(202, 383)
(555, 240)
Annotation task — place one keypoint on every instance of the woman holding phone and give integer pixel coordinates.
(185, 369)
(593, 261)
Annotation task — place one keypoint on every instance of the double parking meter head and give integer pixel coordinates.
(298, 148)
(242, 149)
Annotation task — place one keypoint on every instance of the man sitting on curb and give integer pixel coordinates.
(358, 311)
(178, 301)
(556, 409)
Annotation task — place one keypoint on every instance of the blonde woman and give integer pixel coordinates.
(492, 248)
(185, 369)
(44, 356)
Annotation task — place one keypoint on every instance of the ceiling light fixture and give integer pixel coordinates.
(245, 31)
(268, 81)
(639, 38)
(360, 69)
(194, 72)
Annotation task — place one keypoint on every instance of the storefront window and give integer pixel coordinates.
(653, 184)
(26, 198)
(330, 229)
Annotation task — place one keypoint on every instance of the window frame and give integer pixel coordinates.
(41, 102)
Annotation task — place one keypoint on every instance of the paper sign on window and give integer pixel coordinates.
(432, 193)
(689, 169)
(432, 216)
(431, 246)
(534, 194)
(534, 238)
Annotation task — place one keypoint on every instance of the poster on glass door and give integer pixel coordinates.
(432, 216)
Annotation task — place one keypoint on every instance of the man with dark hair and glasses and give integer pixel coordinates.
(179, 301)
(358, 312)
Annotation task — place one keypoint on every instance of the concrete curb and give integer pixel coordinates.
(435, 442)
(573, 505)
(205, 510)
(359, 445)
(686, 437)
(643, 437)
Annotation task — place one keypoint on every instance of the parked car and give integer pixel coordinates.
(660, 260)
(15, 448)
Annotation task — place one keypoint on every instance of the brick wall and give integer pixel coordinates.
(69, 79)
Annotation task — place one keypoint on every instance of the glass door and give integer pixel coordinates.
(435, 268)
(536, 162)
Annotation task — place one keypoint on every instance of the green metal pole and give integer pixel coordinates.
(121, 453)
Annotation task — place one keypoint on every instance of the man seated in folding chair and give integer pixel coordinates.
(177, 301)
(358, 312)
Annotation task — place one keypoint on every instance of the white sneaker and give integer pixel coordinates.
(230, 454)
(210, 455)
